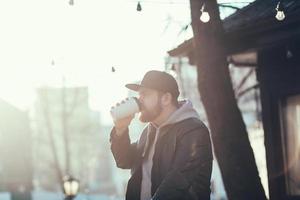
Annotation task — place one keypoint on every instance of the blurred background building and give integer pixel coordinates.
(68, 139)
(16, 152)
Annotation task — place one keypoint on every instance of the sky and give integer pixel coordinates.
(43, 41)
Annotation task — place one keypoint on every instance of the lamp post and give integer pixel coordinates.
(70, 187)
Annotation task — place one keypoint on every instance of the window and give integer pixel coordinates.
(291, 135)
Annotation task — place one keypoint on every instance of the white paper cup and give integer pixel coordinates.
(129, 107)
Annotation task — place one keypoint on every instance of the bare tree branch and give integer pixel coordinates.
(240, 94)
(45, 108)
(243, 81)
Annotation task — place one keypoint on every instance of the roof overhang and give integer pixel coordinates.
(246, 31)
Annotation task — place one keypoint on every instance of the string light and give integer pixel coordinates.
(187, 3)
(139, 7)
(204, 17)
(280, 13)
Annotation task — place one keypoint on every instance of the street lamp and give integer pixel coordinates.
(70, 187)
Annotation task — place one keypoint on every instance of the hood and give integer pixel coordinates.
(185, 111)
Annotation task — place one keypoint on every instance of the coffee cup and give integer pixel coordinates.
(126, 108)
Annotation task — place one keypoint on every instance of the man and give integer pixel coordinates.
(172, 159)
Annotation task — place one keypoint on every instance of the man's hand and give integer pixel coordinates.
(122, 124)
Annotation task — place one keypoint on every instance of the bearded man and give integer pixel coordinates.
(172, 160)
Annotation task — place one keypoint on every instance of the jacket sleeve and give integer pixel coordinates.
(190, 175)
(123, 151)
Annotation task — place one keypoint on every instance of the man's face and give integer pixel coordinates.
(151, 104)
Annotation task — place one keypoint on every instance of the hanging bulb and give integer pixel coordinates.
(289, 54)
(173, 68)
(71, 2)
(139, 7)
(280, 13)
(186, 27)
(204, 17)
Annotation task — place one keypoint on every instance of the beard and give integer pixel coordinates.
(148, 115)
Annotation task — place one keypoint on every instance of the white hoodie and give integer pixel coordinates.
(185, 111)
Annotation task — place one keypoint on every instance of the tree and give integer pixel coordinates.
(228, 131)
(60, 112)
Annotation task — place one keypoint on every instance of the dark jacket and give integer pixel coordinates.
(182, 162)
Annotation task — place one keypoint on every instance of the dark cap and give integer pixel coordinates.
(157, 80)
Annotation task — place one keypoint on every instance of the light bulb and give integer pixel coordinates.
(205, 17)
(280, 15)
(139, 7)
(289, 54)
